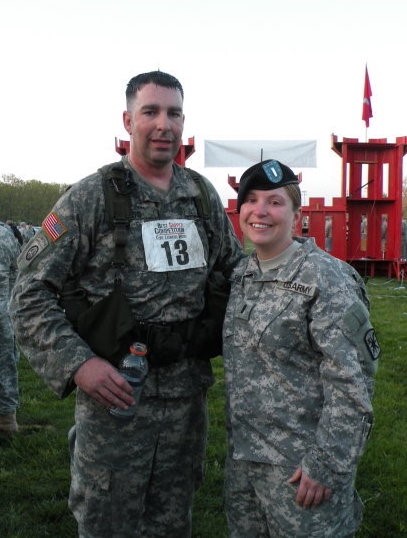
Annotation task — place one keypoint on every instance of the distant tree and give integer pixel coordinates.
(28, 201)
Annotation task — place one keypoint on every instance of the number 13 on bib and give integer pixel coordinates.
(172, 245)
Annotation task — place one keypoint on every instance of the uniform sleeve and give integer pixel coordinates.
(341, 331)
(15, 251)
(226, 248)
(10, 249)
(44, 335)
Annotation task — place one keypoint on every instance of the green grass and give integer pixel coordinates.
(34, 466)
(382, 478)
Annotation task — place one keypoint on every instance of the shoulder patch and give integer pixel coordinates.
(35, 246)
(53, 227)
(372, 344)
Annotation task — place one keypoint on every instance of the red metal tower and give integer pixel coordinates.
(185, 150)
(363, 226)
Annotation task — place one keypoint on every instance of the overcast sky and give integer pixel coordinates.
(251, 70)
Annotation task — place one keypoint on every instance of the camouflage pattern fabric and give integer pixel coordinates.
(300, 355)
(76, 243)
(259, 503)
(144, 488)
(27, 232)
(9, 251)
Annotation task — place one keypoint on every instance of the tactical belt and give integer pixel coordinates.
(166, 342)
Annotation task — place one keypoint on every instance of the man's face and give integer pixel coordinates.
(155, 122)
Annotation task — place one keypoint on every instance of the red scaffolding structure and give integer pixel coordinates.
(364, 225)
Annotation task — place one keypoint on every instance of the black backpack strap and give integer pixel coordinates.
(118, 183)
(203, 203)
(117, 186)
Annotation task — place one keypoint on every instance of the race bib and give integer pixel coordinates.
(172, 245)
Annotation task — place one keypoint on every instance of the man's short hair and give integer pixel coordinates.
(153, 77)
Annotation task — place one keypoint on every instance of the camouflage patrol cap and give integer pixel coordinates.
(266, 175)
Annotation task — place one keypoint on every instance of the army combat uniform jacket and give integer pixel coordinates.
(168, 258)
(9, 251)
(300, 354)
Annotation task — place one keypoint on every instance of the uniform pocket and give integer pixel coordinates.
(89, 499)
(105, 502)
(252, 319)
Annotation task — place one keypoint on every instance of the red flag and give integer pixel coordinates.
(367, 105)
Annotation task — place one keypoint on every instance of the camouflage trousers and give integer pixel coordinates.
(137, 479)
(260, 503)
(9, 398)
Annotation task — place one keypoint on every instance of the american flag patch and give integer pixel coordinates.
(53, 226)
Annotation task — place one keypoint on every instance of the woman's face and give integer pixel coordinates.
(268, 219)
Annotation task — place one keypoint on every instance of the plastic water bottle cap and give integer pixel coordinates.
(138, 348)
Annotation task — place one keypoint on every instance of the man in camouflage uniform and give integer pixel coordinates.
(26, 231)
(9, 397)
(132, 478)
(300, 355)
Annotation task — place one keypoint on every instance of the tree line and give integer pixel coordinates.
(31, 201)
(28, 201)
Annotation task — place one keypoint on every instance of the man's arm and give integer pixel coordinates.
(100, 380)
(60, 250)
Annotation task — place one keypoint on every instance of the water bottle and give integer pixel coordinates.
(133, 367)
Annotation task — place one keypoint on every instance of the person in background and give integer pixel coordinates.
(16, 231)
(300, 355)
(137, 477)
(9, 394)
(26, 230)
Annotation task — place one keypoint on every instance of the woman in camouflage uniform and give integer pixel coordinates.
(300, 355)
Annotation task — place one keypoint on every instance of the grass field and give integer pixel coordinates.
(34, 472)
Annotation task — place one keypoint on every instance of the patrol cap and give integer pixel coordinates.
(264, 176)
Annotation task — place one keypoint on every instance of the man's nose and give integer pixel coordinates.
(163, 121)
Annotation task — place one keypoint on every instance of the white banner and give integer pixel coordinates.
(244, 153)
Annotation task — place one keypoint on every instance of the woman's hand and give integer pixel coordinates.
(309, 492)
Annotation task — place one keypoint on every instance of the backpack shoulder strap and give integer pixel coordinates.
(203, 203)
(117, 186)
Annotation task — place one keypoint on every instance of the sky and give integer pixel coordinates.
(251, 70)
